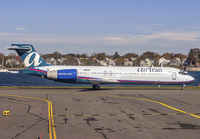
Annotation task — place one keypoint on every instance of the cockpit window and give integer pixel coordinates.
(183, 72)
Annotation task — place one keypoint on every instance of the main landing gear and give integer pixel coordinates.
(95, 86)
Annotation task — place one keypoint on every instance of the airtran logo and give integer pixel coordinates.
(32, 58)
(149, 70)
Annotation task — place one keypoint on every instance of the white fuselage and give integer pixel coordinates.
(128, 75)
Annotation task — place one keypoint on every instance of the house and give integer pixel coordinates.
(142, 63)
(95, 62)
(110, 62)
(163, 61)
(128, 63)
(185, 62)
(107, 62)
(59, 61)
(13, 62)
(146, 63)
(149, 62)
(51, 61)
(103, 62)
(77, 61)
(175, 61)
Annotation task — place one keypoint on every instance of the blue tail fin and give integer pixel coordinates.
(28, 54)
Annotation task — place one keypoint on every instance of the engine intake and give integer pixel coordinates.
(65, 74)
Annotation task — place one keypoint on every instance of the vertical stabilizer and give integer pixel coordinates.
(28, 54)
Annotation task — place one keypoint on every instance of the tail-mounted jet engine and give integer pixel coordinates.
(65, 74)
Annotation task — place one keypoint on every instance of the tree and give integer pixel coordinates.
(157, 58)
(116, 55)
(94, 55)
(84, 55)
(101, 56)
(150, 55)
(181, 57)
(120, 61)
(1, 59)
(12, 57)
(130, 55)
(194, 56)
(71, 55)
(168, 55)
(56, 55)
(87, 62)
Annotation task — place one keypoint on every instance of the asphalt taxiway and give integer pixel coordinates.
(102, 114)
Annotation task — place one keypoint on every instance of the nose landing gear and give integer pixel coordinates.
(183, 87)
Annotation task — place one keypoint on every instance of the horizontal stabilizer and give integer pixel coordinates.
(18, 48)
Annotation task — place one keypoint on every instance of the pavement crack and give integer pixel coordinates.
(101, 129)
(104, 135)
(29, 106)
(90, 119)
(131, 117)
(28, 111)
(153, 110)
(96, 129)
(27, 129)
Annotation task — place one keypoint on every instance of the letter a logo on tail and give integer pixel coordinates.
(28, 54)
(35, 59)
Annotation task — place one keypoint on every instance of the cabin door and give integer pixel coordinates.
(174, 76)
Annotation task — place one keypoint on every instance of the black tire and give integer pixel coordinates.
(96, 87)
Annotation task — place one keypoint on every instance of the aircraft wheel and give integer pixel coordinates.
(96, 87)
(183, 87)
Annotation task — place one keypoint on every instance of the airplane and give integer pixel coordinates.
(98, 75)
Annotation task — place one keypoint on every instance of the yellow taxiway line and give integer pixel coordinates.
(173, 108)
(121, 114)
(50, 110)
(50, 113)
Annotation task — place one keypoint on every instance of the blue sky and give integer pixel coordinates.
(87, 26)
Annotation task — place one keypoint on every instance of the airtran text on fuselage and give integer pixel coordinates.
(149, 70)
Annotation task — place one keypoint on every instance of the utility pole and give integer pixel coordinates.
(2, 63)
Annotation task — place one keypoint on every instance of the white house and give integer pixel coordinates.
(103, 62)
(142, 63)
(163, 61)
(175, 62)
(128, 63)
(110, 62)
(149, 62)
(12, 62)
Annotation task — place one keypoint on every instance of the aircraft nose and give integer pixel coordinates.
(190, 78)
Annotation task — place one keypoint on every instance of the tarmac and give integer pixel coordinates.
(99, 114)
